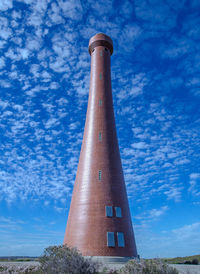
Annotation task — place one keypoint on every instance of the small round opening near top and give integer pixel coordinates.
(100, 39)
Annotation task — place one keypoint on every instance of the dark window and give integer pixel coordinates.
(100, 76)
(99, 175)
(106, 49)
(100, 102)
(100, 136)
(101, 52)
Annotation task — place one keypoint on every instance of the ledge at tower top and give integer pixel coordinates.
(99, 222)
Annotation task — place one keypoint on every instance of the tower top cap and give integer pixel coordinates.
(100, 39)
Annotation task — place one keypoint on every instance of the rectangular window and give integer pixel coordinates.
(100, 136)
(99, 175)
(101, 52)
(110, 239)
(100, 102)
(120, 239)
(118, 212)
(100, 76)
(109, 211)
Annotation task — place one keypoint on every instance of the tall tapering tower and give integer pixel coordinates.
(99, 222)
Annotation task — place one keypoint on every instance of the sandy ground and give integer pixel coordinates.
(183, 269)
(32, 263)
(187, 269)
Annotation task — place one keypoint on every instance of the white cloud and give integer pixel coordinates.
(24, 53)
(191, 231)
(55, 14)
(174, 193)
(156, 14)
(177, 49)
(152, 214)
(16, 14)
(126, 9)
(128, 37)
(131, 86)
(2, 62)
(194, 176)
(155, 213)
(58, 64)
(6, 4)
(5, 31)
(54, 85)
(60, 46)
(34, 69)
(17, 54)
(33, 43)
(51, 123)
(101, 7)
(172, 242)
(3, 104)
(5, 83)
(71, 9)
(140, 145)
(195, 184)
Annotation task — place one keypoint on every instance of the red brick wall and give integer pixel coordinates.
(87, 224)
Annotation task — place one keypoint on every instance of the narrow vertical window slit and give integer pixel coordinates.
(100, 175)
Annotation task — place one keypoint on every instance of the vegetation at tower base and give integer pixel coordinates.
(62, 259)
(147, 267)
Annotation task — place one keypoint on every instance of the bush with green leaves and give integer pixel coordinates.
(147, 267)
(62, 259)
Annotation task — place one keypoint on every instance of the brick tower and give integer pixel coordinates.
(99, 222)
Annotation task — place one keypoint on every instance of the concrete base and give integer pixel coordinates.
(112, 262)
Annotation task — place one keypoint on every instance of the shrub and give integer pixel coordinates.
(187, 262)
(62, 259)
(195, 261)
(147, 267)
(109, 271)
(22, 269)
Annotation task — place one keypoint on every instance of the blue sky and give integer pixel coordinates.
(44, 84)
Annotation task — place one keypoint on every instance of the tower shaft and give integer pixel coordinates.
(99, 222)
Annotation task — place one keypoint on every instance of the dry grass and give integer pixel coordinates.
(181, 260)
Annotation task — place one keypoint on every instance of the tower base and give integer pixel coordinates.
(113, 262)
